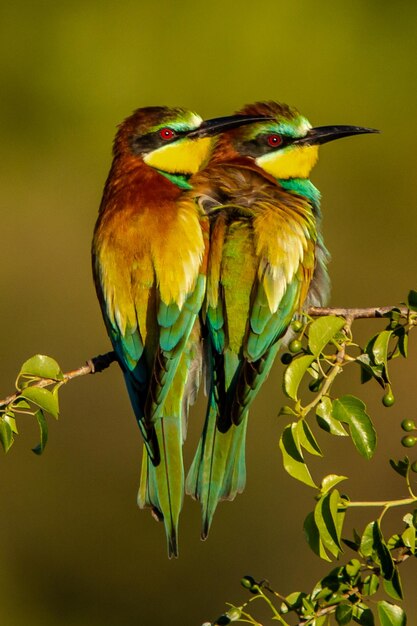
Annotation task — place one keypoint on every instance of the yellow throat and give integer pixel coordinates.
(291, 162)
(186, 156)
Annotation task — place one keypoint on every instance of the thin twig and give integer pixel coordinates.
(356, 313)
(388, 504)
(92, 366)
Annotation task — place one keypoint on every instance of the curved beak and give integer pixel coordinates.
(218, 125)
(323, 134)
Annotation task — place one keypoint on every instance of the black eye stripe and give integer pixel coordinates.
(260, 145)
(141, 144)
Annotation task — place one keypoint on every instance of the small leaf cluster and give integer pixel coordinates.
(32, 398)
(323, 349)
(327, 340)
(328, 348)
(346, 594)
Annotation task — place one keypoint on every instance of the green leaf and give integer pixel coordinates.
(307, 439)
(408, 519)
(295, 599)
(343, 614)
(322, 593)
(330, 481)
(370, 370)
(6, 435)
(402, 335)
(383, 554)
(322, 330)
(326, 519)
(294, 374)
(367, 540)
(409, 538)
(287, 410)
(326, 420)
(370, 585)
(391, 614)
(412, 300)
(380, 347)
(43, 427)
(313, 537)
(8, 417)
(20, 403)
(393, 587)
(355, 544)
(307, 605)
(323, 520)
(292, 457)
(352, 411)
(43, 398)
(401, 467)
(340, 514)
(363, 615)
(353, 568)
(394, 541)
(351, 544)
(41, 366)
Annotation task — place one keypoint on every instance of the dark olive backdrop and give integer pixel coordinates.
(74, 548)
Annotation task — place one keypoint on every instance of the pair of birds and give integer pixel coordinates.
(207, 243)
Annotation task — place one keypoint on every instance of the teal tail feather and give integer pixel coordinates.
(218, 471)
(162, 486)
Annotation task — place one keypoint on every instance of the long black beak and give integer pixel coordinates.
(323, 134)
(218, 125)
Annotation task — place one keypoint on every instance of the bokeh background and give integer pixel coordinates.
(74, 548)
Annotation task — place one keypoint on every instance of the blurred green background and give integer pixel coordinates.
(74, 547)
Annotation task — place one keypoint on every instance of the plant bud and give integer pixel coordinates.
(295, 346)
(297, 325)
(408, 425)
(388, 399)
(409, 441)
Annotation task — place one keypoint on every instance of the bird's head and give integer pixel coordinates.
(284, 144)
(172, 140)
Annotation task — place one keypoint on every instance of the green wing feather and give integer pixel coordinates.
(175, 326)
(260, 348)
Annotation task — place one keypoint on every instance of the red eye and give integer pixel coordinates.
(166, 133)
(274, 140)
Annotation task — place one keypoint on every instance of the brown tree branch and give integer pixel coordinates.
(102, 361)
(357, 313)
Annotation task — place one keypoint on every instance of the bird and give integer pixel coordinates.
(149, 256)
(267, 259)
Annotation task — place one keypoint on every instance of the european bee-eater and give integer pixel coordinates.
(149, 264)
(267, 259)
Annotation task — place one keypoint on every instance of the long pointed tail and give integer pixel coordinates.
(218, 471)
(162, 486)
